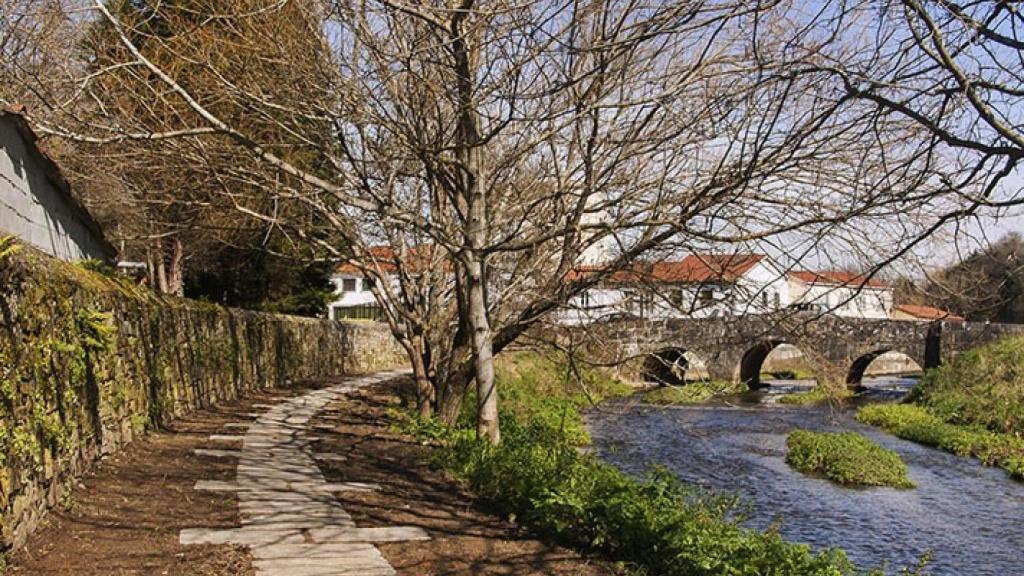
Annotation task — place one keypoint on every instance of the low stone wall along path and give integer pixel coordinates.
(289, 518)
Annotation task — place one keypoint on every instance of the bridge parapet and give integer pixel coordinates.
(839, 349)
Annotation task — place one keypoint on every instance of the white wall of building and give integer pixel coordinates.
(353, 298)
(35, 208)
(847, 301)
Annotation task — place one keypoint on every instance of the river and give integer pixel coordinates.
(969, 516)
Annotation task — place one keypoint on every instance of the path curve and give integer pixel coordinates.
(289, 517)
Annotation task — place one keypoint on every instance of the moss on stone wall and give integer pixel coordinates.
(88, 362)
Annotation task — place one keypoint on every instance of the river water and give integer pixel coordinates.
(970, 517)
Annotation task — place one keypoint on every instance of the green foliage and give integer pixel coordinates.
(8, 246)
(691, 393)
(918, 424)
(96, 329)
(541, 391)
(655, 525)
(817, 395)
(846, 458)
(983, 387)
(97, 266)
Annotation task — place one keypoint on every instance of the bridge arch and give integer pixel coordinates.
(855, 376)
(673, 366)
(753, 360)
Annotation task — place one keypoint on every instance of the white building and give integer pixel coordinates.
(36, 202)
(698, 286)
(354, 300)
(841, 293)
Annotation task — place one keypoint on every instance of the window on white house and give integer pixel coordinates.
(706, 295)
(778, 301)
(764, 299)
(348, 284)
(585, 299)
(367, 284)
(678, 297)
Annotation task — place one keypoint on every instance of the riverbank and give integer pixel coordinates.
(655, 525)
(973, 406)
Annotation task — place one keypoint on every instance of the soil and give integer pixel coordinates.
(123, 517)
(465, 538)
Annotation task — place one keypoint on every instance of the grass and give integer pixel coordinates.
(846, 458)
(972, 406)
(691, 393)
(653, 525)
(918, 424)
(981, 387)
(817, 395)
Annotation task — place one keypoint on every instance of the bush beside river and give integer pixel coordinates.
(846, 458)
(973, 406)
(981, 387)
(918, 424)
(654, 525)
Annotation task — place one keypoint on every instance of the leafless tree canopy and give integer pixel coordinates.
(492, 145)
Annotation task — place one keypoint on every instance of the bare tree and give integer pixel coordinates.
(514, 139)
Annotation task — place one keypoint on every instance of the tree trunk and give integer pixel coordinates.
(487, 426)
(424, 387)
(161, 268)
(474, 192)
(176, 274)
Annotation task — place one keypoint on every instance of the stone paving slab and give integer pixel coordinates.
(225, 438)
(211, 453)
(289, 519)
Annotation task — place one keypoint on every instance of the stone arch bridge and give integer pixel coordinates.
(733, 348)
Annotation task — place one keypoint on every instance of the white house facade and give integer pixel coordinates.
(697, 286)
(841, 293)
(353, 298)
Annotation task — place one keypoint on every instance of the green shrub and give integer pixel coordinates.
(983, 387)
(97, 266)
(846, 458)
(657, 524)
(816, 395)
(919, 424)
(692, 393)
(8, 246)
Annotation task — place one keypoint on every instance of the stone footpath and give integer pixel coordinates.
(290, 520)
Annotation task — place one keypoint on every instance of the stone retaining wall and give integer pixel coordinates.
(87, 363)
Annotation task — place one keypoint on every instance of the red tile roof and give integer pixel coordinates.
(927, 312)
(704, 268)
(383, 257)
(694, 269)
(836, 278)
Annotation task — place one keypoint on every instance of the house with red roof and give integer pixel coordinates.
(841, 293)
(354, 298)
(697, 286)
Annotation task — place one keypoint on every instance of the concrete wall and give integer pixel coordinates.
(87, 363)
(32, 205)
